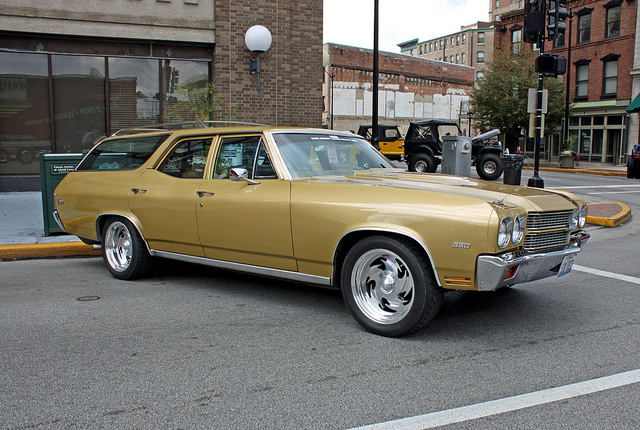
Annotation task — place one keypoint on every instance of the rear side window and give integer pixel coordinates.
(125, 153)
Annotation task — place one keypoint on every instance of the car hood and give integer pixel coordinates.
(495, 194)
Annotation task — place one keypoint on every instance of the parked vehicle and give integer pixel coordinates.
(423, 148)
(391, 139)
(633, 163)
(315, 206)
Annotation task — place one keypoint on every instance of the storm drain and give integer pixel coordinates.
(88, 298)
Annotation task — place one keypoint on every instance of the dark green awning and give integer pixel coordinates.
(635, 105)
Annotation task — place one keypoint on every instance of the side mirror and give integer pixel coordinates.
(238, 173)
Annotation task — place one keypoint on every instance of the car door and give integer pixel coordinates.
(247, 222)
(163, 199)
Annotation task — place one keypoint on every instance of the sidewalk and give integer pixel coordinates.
(22, 231)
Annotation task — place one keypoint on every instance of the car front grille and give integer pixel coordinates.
(547, 230)
(549, 220)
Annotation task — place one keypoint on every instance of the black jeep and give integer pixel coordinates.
(423, 148)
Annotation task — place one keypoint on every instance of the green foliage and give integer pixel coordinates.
(194, 103)
(500, 99)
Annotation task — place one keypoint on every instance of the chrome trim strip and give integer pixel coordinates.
(58, 221)
(388, 230)
(246, 268)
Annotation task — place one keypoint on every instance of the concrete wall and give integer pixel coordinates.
(172, 20)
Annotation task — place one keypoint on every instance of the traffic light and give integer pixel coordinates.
(550, 65)
(557, 16)
(534, 21)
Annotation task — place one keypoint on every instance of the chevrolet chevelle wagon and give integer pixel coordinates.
(314, 206)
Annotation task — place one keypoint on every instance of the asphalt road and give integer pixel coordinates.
(194, 347)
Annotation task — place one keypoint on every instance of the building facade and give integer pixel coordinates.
(410, 89)
(599, 45)
(73, 71)
(472, 46)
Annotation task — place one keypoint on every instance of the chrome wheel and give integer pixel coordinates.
(382, 286)
(490, 167)
(118, 246)
(421, 166)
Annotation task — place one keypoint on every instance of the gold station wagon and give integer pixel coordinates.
(314, 206)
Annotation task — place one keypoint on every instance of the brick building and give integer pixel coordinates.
(602, 44)
(471, 46)
(72, 71)
(410, 88)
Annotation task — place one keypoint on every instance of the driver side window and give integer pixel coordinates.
(246, 152)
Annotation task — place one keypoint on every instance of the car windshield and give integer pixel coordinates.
(310, 155)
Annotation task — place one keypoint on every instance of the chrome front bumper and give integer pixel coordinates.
(497, 271)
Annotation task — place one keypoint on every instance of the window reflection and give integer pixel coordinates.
(187, 91)
(24, 111)
(134, 85)
(78, 101)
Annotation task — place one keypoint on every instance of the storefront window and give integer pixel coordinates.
(78, 101)
(597, 137)
(25, 125)
(134, 86)
(188, 94)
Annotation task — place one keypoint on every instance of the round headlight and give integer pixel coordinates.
(518, 229)
(582, 217)
(504, 232)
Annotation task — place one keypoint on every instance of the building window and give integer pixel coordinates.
(451, 59)
(452, 44)
(479, 76)
(497, 4)
(420, 49)
(516, 41)
(480, 57)
(613, 21)
(481, 37)
(441, 45)
(464, 58)
(584, 28)
(457, 58)
(430, 46)
(610, 78)
(458, 40)
(464, 39)
(582, 81)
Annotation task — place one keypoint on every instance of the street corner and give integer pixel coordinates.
(608, 214)
(46, 250)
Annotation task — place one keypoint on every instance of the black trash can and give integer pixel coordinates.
(512, 168)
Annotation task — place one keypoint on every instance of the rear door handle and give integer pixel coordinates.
(138, 190)
(202, 193)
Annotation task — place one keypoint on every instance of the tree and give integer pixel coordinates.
(500, 99)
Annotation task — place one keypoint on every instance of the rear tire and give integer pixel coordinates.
(423, 163)
(123, 249)
(489, 167)
(389, 287)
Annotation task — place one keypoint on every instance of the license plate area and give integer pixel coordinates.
(567, 264)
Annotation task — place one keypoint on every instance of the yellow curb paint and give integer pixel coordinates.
(614, 221)
(46, 250)
(590, 172)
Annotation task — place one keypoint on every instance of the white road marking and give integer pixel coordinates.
(509, 404)
(584, 187)
(617, 276)
(614, 192)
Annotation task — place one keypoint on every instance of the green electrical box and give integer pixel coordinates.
(53, 167)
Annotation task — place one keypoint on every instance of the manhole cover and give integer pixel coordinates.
(88, 298)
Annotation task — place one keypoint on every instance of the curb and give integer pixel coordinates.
(622, 215)
(47, 250)
(573, 170)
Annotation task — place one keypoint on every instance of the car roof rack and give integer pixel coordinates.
(182, 125)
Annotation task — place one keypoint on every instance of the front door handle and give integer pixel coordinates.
(138, 190)
(202, 193)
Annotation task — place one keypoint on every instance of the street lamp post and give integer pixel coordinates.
(326, 62)
(375, 137)
(258, 39)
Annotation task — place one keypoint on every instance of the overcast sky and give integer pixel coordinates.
(350, 22)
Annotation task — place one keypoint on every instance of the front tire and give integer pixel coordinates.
(123, 250)
(423, 163)
(489, 167)
(389, 287)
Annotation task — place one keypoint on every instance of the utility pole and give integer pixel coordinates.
(375, 136)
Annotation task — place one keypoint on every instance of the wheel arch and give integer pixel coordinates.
(349, 239)
(102, 219)
(421, 148)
